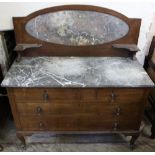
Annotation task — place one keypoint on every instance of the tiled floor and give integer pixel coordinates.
(92, 143)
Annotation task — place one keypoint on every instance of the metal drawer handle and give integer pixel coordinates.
(45, 96)
(39, 110)
(115, 126)
(118, 111)
(113, 96)
(41, 125)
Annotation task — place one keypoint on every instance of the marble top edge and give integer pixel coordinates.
(110, 86)
(77, 72)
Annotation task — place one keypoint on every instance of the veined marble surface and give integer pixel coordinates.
(77, 28)
(77, 72)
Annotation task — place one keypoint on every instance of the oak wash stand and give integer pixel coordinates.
(75, 73)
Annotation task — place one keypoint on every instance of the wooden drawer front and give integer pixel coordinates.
(33, 123)
(45, 95)
(48, 108)
(75, 123)
(95, 95)
(108, 111)
(128, 111)
(97, 123)
(65, 108)
(121, 95)
(50, 95)
(50, 123)
(108, 126)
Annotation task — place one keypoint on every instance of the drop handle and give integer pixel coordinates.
(118, 111)
(115, 126)
(113, 96)
(41, 125)
(45, 96)
(39, 110)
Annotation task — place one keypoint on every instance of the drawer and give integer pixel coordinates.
(108, 95)
(105, 95)
(63, 107)
(124, 96)
(32, 108)
(86, 122)
(32, 123)
(66, 107)
(70, 107)
(97, 123)
(107, 111)
(49, 95)
(45, 95)
(50, 123)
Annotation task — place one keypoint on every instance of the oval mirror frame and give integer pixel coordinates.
(57, 49)
(77, 28)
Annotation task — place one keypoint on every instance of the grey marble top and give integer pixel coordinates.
(77, 72)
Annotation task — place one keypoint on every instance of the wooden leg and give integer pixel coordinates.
(1, 148)
(22, 139)
(132, 141)
(153, 130)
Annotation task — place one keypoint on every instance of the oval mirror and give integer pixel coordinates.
(77, 28)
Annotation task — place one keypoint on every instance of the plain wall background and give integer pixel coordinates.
(143, 10)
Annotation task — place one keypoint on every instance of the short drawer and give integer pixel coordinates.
(99, 123)
(50, 123)
(45, 95)
(32, 123)
(104, 109)
(32, 108)
(121, 95)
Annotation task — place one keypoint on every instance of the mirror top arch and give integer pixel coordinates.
(76, 30)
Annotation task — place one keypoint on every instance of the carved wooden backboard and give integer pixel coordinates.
(76, 30)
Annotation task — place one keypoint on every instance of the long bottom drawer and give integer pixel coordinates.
(75, 123)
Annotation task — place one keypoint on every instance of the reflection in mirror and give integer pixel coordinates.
(77, 28)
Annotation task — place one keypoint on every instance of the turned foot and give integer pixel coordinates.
(22, 139)
(132, 141)
(1, 148)
(153, 130)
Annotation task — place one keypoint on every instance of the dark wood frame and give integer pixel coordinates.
(52, 49)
